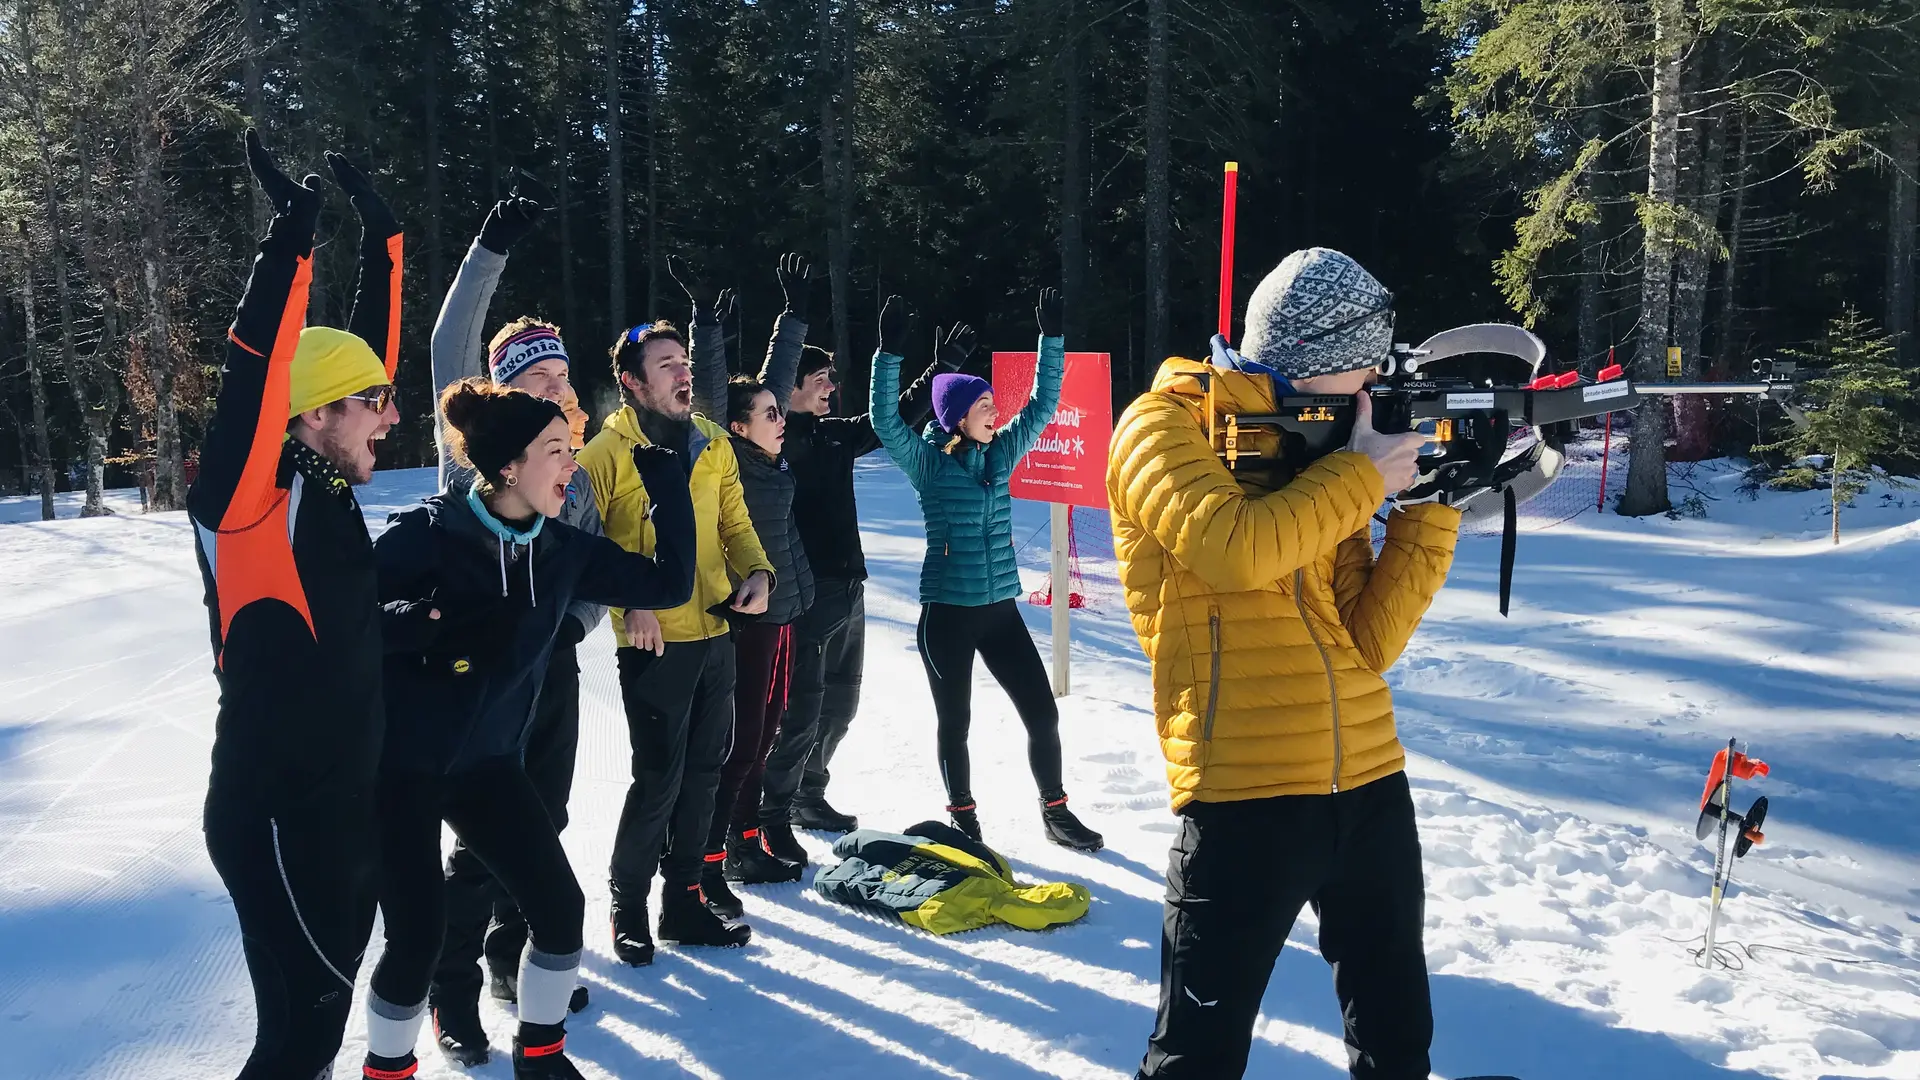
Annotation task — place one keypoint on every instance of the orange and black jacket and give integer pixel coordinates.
(284, 551)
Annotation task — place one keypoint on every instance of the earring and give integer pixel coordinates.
(512, 479)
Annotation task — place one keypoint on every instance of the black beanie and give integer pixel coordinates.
(496, 424)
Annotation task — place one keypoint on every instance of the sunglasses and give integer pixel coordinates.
(633, 335)
(377, 398)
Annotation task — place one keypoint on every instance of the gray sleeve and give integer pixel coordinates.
(459, 338)
(583, 513)
(709, 358)
(783, 357)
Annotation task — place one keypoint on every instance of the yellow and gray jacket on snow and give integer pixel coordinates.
(1268, 619)
(937, 878)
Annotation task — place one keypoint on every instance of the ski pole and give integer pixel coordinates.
(1720, 877)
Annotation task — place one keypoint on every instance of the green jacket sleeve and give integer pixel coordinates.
(908, 450)
(1025, 430)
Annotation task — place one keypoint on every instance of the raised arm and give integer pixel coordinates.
(1164, 477)
(241, 455)
(707, 348)
(782, 364)
(459, 333)
(908, 450)
(375, 318)
(1019, 436)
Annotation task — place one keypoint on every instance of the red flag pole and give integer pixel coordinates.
(1229, 197)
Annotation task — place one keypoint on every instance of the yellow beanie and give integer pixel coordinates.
(328, 365)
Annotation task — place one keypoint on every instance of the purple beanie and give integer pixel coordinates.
(954, 394)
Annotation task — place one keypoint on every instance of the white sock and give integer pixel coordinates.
(546, 985)
(392, 1030)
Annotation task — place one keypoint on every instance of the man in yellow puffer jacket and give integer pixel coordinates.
(1269, 623)
(676, 666)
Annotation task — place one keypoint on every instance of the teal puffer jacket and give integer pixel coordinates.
(963, 495)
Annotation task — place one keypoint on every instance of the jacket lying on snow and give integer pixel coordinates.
(937, 878)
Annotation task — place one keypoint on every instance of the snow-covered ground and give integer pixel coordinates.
(1557, 757)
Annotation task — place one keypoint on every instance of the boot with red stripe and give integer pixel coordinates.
(685, 919)
(389, 1068)
(750, 862)
(966, 818)
(540, 1053)
(713, 885)
(1065, 829)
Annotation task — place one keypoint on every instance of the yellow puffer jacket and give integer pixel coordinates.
(1267, 619)
(719, 510)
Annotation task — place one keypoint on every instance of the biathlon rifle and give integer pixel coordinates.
(1471, 419)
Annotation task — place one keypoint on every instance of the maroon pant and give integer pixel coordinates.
(764, 673)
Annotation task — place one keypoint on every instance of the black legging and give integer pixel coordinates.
(495, 811)
(949, 636)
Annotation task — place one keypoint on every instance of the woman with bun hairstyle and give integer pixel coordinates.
(961, 467)
(475, 583)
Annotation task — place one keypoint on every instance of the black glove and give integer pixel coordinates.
(660, 464)
(514, 216)
(298, 203)
(796, 278)
(896, 320)
(953, 353)
(376, 217)
(1052, 313)
(710, 305)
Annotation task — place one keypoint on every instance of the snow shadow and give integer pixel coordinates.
(857, 994)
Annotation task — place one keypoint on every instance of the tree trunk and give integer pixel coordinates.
(1073, 181)
(617, 12)
(1646, 491)
(1593, 340)
(252, 49)
(434, 29)
(653, 158)
(833, 175)
(490, 93)
(169, 487)
(1704, 165)
(562, 188)
(1159, 195)
(36, 384)
(843, 203)
(1903, 207)
(310, 81)
(1726, 347)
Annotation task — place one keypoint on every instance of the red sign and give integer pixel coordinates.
(1069, 462)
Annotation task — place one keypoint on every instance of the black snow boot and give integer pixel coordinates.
(782, 844)
(632, 943)
(1065, 829)
(816, 814)
(540, 1051)
(713, 885)
(685, 919)
(389, 1068)
(750, 863)
(966, 819)
(456, 1027)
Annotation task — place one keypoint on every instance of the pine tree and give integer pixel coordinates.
(1850, 414)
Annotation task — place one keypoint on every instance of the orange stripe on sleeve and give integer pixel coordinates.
(253, 494)
(395, 245)
(235, 338)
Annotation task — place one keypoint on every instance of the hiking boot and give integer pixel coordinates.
(782, 844)
(750, 863)
(713, 885)
(967, 820)
(540, 1053)
(632, 942)
(456, 1027)
(1065, 829)
(389, 1068)
(685, 919)
(816, 814)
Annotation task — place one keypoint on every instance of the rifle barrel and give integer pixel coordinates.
(1679, 389)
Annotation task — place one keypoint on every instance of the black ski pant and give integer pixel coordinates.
(302, 883)
(481, 916)
(495, 811)
(829, 652)
(680, 719)
(1237, 877)
(950, 635)
(763, 661)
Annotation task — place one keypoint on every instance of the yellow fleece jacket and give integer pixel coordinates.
(729, 550)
